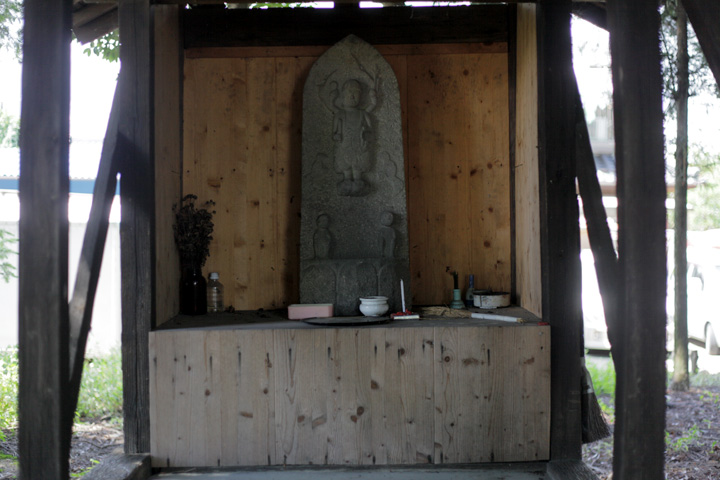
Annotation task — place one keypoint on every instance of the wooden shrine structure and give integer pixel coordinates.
(208, 102)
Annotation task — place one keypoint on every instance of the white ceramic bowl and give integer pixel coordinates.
(373, 306)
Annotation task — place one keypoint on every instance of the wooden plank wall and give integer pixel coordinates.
(168, 155)
(455, 394)
(242, 149)
(527, 213)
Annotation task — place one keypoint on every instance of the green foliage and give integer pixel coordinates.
(603, 378)
(7, 269)
(85, 471)
(9, 129)
(100, 391)
(101, 388)
(8, 388)
(280, 5)
(10, 21)
(703, 379)
(701, 78)
(106, 47)
(683, 442)
(703, 200)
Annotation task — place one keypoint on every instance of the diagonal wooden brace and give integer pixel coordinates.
(88, 273)
(598, 231)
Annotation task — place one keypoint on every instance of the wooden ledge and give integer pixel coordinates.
(122, 467)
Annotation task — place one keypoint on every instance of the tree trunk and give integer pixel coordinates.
(681, 380)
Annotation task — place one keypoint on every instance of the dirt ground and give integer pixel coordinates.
(692, 441)
(692, 438)
(91, 442)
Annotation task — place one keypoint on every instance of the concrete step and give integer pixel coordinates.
(516, 471)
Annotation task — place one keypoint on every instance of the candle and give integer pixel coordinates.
(455, 280)
(402, 294)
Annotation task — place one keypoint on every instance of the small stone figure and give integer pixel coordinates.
(322, 239)
(352, 134)
(387, 235)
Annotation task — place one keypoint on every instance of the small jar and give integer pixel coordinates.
(373, 306)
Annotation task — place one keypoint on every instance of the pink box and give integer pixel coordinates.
(301, 311)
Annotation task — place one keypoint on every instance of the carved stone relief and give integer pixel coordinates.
(353, 214)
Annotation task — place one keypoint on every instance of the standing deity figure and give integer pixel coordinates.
(387, 235)
(322, 239)
(352, 135)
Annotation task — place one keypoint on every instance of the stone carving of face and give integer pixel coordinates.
(323, 221)
(351, 93)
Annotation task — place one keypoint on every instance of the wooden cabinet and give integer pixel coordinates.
(279, 392)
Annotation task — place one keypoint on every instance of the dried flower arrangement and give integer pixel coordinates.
(193, 230)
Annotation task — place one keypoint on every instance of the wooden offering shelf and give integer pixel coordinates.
(254, 389)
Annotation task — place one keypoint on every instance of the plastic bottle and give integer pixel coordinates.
(215, 294)
(469, 292)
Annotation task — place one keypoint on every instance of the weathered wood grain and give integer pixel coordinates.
(640, 355)
(44, 403)
(253, 173)
(527, 213)
(457, 144)
(349, 396)
(168, 156)
(137, 222)
(257, 394)
(559, 222)
(493, 393)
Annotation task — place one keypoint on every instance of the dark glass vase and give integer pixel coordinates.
(193, 292)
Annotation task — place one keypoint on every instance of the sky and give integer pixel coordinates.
(92, 88)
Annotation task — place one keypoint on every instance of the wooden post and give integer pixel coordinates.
(44, 435)
(560, 229)
(640, 394)
(681, 375)
(137, 235)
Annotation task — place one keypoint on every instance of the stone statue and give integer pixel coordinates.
(352, 133)
(387, 235)
(353, 219)
(322, 239)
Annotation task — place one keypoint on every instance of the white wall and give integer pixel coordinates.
(106, 321)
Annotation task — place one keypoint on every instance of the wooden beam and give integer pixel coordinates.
(121, 467)
(97, 27)
(88, 272)
(169, 58)
(596, 218)
(704, 16)
(307, 26)
(559, 222)
(137, 224)
(640, 360)
(594, 13)
(44, 436)
(512, 137)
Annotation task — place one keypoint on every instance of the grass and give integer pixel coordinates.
(8, 389)
(603, 378)
(100, 391)
(101, 388)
